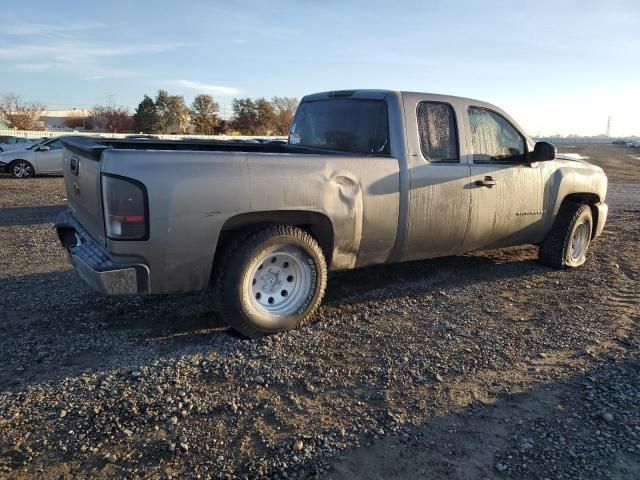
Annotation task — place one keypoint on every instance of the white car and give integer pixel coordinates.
(40, 158)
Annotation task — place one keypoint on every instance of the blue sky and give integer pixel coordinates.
(556, 66)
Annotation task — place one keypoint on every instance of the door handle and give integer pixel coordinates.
(486, 182)
(74, 164)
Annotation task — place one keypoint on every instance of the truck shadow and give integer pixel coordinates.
(92, 331)
(29, 215)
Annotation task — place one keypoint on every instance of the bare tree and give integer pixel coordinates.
(20, 114)
(110, 119)
(284, 109)
(76, 120)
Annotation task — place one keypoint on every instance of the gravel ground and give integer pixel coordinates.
(482, 366)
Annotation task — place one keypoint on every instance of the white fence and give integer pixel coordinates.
(37, 134)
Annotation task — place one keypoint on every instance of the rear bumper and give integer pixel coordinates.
(94, 265)
(603, 210)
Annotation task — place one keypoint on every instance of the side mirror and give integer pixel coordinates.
(44, 148)
(542, 151)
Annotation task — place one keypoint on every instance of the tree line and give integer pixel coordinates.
(165, 114)
(170, 114)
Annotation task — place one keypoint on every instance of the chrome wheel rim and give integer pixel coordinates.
(279, 281)
(22, 170)
(580, 240)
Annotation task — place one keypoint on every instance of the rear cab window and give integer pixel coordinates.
(342, 124)
(438, 132)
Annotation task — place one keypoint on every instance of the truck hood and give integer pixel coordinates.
(575, 157)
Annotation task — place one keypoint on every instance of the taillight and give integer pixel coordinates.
(125, 208)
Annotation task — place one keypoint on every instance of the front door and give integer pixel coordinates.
(50, 161)
(507, 193)
(439, 176)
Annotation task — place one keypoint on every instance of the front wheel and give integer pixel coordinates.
(567, 243)
(21, 169)
(272, 281)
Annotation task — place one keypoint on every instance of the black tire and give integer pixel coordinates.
(559, 249)
(21, 169)
(243, 260)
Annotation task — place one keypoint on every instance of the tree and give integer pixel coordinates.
(172, 112)
(20, 114)
(109, 118)
(76, 120)
(245, 117)
(204, 114)
(146, 118)
(266, 117)
(285, 109)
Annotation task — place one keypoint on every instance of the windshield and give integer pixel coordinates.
(37, 144)
(344, 124)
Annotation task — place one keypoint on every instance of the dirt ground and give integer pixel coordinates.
(482, 366)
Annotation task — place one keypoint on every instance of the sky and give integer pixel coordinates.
(557, 67)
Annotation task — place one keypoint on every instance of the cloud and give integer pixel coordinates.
(33, 67)
(207, 88)
(22, 28)
(70, 51)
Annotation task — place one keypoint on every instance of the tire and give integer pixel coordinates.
(21, 169)
(567, 244)
(271, 280)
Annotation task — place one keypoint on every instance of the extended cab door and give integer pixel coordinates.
(507, 193)
(439, 197)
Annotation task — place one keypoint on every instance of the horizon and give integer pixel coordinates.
(557, 69)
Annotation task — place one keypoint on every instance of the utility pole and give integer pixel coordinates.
(609, 126)
(110, 98)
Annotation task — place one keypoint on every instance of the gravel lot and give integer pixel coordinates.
(482, 366)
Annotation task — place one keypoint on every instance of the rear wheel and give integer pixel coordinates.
(21, 169)
(272, 280)
(567, 244)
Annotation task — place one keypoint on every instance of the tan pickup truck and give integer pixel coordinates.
(367, 177)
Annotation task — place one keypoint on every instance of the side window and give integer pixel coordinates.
(56, 145)
(494, 139)
(438, 133)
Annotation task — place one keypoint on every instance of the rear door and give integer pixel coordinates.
(50, 161)
(507, 193)
(439, 175)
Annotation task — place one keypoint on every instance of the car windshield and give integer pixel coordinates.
(343, 124)
(31, 147)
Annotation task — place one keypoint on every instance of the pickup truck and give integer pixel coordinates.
(367, 177)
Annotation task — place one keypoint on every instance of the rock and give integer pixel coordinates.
(127, 432)
(63, 413)
(182, 439)
(439, 378)
(109, 458)
(500, 467)
(172, 447)
(298, 445)
(607, 417)
(259, 380)
(173, 420)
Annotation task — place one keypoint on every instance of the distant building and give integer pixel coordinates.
(57, 119)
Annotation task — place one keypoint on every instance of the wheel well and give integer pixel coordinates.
(590, 199)
(317, 224)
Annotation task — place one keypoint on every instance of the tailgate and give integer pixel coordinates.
(81, 168)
